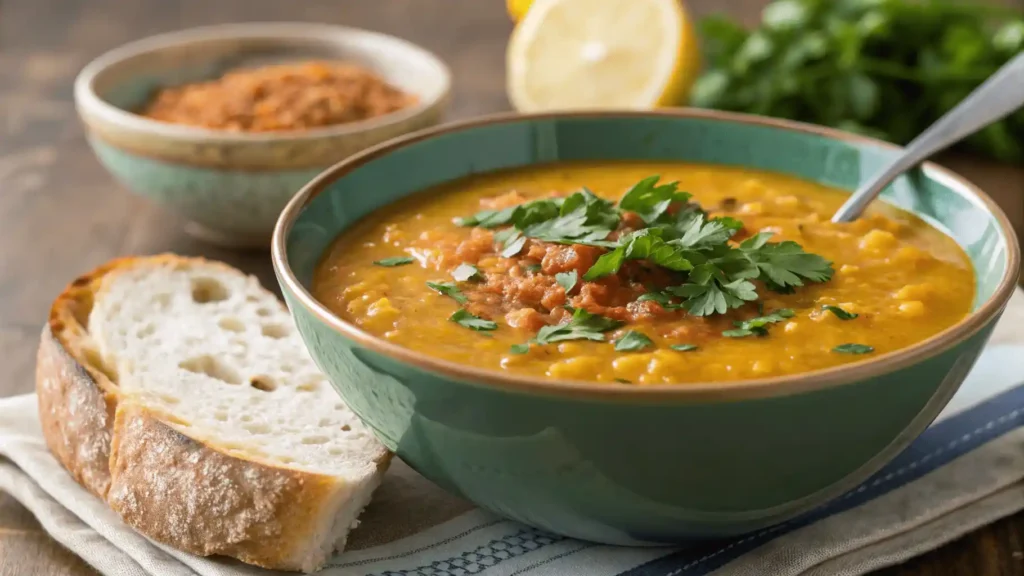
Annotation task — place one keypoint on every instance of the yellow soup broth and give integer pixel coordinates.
(904, 280)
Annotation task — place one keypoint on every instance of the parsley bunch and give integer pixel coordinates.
(884, 68)
(678, 236)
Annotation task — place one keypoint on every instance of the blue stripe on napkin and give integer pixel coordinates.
(937, 446)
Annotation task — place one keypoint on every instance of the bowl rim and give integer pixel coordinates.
(702, 391)
(90, 103)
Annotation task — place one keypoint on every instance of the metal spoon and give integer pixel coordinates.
(996, 98)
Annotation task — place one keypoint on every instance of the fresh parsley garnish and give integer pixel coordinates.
(450, 290)
(650, 201)
(395, 261)
(520, 348)
(580, 218)
(759, 325)
(683, 347)
(663, 299)
(716, 275)
(839, 312)
(465, 272)
(532, 267)
(632, 341)
(582, 325)
(487, 218)
(643, 244)
(785, 264)
(567, 280)
(853, 349)
(744, 332)
(465, 318)
(513, 245)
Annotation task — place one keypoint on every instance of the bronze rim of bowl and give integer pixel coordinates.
(704, 391)
(87, 99)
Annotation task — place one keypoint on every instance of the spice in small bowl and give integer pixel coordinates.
(284, 97)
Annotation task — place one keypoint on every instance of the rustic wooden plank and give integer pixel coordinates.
(60, 214)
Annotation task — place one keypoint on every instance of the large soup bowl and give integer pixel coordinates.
(617, 463)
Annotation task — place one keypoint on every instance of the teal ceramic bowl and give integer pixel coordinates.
(610, 462)
(229, 186)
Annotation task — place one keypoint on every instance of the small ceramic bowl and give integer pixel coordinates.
(617, 463)
(232, 186)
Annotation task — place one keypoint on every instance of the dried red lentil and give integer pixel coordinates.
(295, 96)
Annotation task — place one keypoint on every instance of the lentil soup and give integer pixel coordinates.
(635, 281)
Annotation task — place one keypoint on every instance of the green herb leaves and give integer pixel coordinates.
(716, 275)
(839, 312)
(683, 347)
(582, 325)
(640, 245)
(853, 349)
(650, 201)
(836, 62)
(392, 262)
(785, 264)
(580, 218)
(567, 280)
(632, 341)
(463, 317)
(759, 325)
(448, 289)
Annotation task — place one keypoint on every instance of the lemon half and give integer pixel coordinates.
(594, 54)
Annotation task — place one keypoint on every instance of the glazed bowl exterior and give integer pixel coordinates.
(231, 186)
(617, 463)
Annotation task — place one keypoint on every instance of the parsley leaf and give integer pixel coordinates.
(581, 326)
(396, 261)
(465, 272)
(514, 245)
(567, 280)
(699, 233)
(853, 349)
(643, 244)
(664, 300)
(488, 218)
(714, 297)
(465, 318)
(650, 201)
(532, 267)
(448, 289)
(887, 68)
(632, 341)
(683, 347)
(744, 332)
(583, 218)
(786, 264)
(519, 348)
(757, 325)
(839, 312)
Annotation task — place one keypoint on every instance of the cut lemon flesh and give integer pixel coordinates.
(594, 54)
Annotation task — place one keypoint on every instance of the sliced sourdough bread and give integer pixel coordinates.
(178, 390)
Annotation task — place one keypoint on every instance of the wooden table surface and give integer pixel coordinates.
(61, 215)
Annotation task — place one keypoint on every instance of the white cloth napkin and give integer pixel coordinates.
(965, 471)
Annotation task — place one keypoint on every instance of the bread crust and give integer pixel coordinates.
(167, 485)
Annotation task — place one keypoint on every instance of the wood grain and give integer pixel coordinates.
(61, 214)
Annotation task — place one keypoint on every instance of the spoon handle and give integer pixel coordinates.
(996, 98)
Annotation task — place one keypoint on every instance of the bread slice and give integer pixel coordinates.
(178, 390)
